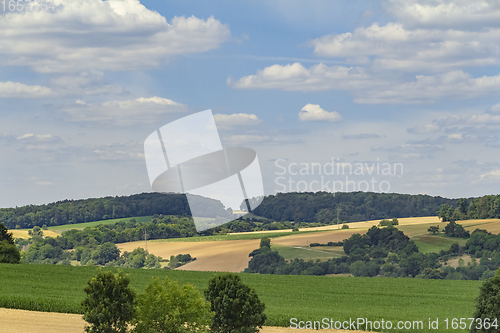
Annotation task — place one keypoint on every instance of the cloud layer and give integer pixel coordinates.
(105, 35)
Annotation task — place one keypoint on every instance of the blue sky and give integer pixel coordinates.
(369, 84)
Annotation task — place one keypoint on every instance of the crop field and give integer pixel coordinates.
(436, 243)
(228, 256)
(308, 253)
(54, 288)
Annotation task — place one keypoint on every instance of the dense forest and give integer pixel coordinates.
(352, 206)
(89, 210)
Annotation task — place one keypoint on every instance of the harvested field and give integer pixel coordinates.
(22, 321)
(227, 256)
(358, 225)
(317, 237)
(24, 233)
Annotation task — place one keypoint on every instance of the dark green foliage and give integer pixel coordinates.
(445, 212)
(387, 223)
(434, 229)
(236, 307)
(265, 242)
(488, 303)
(354, 206)
(345, 226)
(453, 229)
(9, 253)
(179, 260)
(5, 234)
(110, 303)
(165, 307)
(88, 210)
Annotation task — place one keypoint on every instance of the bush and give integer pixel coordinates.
(165, 307)
(9, 253)
(488, 302)
(345, 226)
(110, 303)
(236, 306)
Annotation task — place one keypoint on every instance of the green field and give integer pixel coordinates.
(60, 289)
(436, 243)
(64, 227)
(309, 253)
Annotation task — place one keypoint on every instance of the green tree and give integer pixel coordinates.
(445, 212)
(236, 306)
(165, 307)
(9, 253)
(488, 303)
(110, 303)
(434, 229)
(265, 242)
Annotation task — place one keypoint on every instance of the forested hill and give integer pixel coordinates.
(88, 210)
(353, 206)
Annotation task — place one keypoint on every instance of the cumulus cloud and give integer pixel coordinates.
(446, 13)
(430, 50)
(11, 89)
(371, 88)
(313, 112)
(295, 77)
(236, 119)
(123, 113)
(104, 35)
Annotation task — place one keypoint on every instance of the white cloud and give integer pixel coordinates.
(430, 50)
(495, 108)
(104, 35)
(11, 89)
(123, 113)
(446, 13)
(295, 77)
(313, 112)
(236, 119)
(430, 128)
(371, 88)
(30, 138)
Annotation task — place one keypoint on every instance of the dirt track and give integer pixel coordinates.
(21, 321)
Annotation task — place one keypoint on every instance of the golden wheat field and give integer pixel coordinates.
(228, 256)
(21, 321)
(24, 233)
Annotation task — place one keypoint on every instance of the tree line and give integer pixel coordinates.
(96, 209)
(326, 208)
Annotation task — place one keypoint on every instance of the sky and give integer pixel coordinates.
(383, 96)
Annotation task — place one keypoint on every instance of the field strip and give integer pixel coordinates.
(22, 321)
(353, 225)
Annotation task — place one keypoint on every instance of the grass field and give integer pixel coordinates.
(436, 243)
(60, 289)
